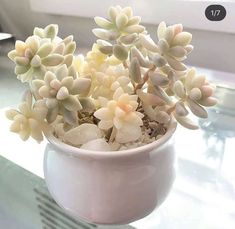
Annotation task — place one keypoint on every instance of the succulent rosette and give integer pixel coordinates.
(122, 94)
(40, 52)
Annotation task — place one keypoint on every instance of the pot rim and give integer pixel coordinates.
(75, 151)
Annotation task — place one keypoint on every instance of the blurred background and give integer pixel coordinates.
(214, 42)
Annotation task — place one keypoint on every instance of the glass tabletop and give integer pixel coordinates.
(203, 194)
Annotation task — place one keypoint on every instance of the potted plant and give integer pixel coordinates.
(109, 117)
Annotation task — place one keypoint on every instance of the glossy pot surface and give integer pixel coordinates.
(115, 187)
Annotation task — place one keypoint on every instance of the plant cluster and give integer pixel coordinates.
(127, 86)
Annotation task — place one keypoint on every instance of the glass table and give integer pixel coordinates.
(202, 197)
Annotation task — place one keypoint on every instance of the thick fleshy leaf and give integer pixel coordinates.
(120, 52)
(53, 60)
(36, 130)
(148, 43)
(36, 61)
(163, 45)
(59, 49)
(179, 89)
(36, 84)
(150, 99)
(142, 60)
(67, 82)
(61, 72)
(112, 12)
(68, 39)
(33, 43)
(28, 53)
(70, 48)
(101, 42)
(49, 76)
(159, 61)
(127, 11)
(134, 21)
(162, 117)
(52, 114)
(128, 133)
(158, 79)
(189, 78)
(107, 50)
(175, 64)
(161, 30)
(27, 97)
(162, 94)
(178, 28)
(196, 109)
(12, 54)
(180, 109)
(121, 20)
(81, 86)
(10, 114)
(15, 127)
(189, 48)
(72, 103)
(195, 94)
(45, 50)
(105, 35)
(134, 70)
(68, 60)
(208, 102)
(103, 23)
(129, 39)
(186, 122)
(82, 134)
(62, 94)
(103, 114)
(23, 61)
(134, 29)
(51, 31)
(72, 72)
(20, 47)
(169, 34)
(39, 32)
(40, 109)
(207, 91)
(70, 117)
(24, 134)
(21, 69)
(87, 104)
(51, 103)
(198, 81)
(177, 51)
(149, 111)
(44, 92)
(182, 39)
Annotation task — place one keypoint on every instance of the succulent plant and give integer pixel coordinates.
(123, 93)
(40, 52)
(121, 115)
(120, 22)
(30, 119)
(61, 91)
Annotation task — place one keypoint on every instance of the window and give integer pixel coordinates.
(189, 12)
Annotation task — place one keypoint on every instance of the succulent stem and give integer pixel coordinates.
(113, 134)
(145, 79)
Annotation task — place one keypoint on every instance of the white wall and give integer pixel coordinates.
(214, 50)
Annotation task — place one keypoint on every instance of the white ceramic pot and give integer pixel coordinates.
(116, 187)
